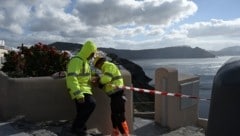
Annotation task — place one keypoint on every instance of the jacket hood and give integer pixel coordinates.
(87, 49)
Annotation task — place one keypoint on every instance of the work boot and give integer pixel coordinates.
(79, 132)
(125, 131)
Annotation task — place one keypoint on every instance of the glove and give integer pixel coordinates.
(95, 81)
(124, 98)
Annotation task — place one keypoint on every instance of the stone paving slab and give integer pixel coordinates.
(6, 130)
(147, 127)
(186, 131)
(142, 127)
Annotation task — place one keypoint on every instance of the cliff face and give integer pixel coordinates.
(168, 52)
(229, 51)
(139, 80)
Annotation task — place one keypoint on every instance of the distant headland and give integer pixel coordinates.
(168, 52)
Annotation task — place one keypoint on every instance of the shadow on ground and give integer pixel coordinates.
(146, 127)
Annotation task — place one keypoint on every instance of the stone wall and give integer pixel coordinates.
(174, 112)
(46, 98)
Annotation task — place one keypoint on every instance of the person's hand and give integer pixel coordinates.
(81, 100)
(95, 80)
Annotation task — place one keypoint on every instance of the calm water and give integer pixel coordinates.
(205, 68)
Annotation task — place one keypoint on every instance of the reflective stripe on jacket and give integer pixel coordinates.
(111, 75)
(79, 72)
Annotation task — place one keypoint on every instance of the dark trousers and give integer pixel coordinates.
(84, 110)
(118, 110)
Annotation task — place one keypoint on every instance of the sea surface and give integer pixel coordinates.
(205, 68)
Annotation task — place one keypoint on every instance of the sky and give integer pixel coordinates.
(122, 24)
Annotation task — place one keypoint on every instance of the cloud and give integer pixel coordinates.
(140, 24)
(215, 27)
(13, 16)
(152, 12)
(213, 34)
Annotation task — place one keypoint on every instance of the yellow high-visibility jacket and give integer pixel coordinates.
(79, 72)
(111, 75)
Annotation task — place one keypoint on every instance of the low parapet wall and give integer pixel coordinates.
(46, 98)
(175, 112)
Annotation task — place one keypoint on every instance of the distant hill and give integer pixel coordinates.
(168, 52)
(229, 51)
(66, 46)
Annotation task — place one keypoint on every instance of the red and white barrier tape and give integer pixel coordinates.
(164, 93)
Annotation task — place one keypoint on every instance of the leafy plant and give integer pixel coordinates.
(37, 60)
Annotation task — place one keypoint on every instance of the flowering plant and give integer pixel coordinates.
(37, 60)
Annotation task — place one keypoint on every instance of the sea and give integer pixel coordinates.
(205, 68)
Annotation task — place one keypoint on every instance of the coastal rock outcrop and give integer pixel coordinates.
(139, 80)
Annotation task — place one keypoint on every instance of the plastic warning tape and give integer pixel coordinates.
(157, 92)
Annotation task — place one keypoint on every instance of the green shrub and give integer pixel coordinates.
(37, 60)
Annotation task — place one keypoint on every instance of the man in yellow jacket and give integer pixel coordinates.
(78, 83)
(112, 75)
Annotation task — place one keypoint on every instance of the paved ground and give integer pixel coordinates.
(147, 127)
(186, 131)
(142, 127)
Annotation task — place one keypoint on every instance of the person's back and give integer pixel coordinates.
(111, 76)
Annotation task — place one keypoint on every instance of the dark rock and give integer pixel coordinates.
(139, 80)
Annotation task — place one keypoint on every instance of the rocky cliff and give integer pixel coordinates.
(168, 52)
(139, 80)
